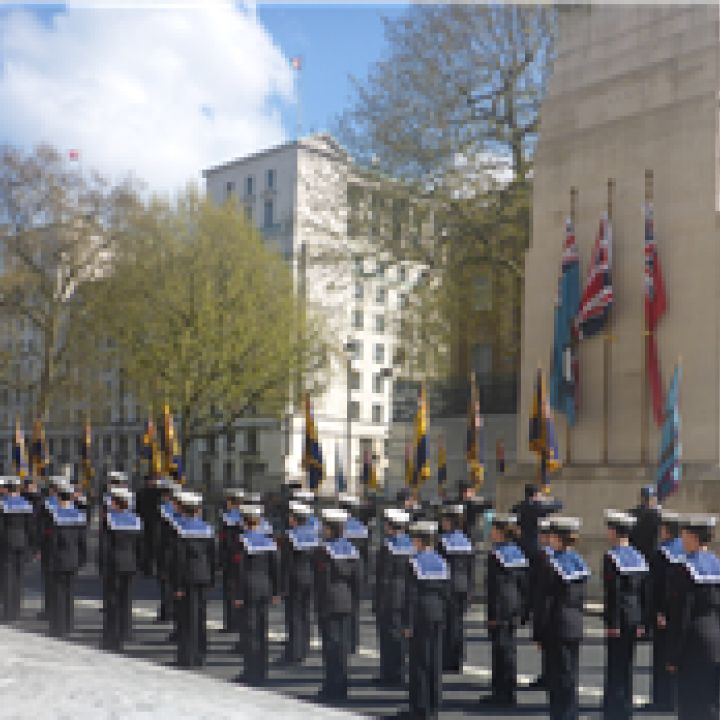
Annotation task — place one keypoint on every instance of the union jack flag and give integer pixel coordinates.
(597, 300)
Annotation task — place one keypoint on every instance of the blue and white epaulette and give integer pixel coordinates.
(232, 518)
(341, 549)
(429, 565)
(509, 555)
(456, 543)
(68, 516)
(123, 520)
(313, 522)
(193, 528)
(265, 527)
(303, 538)
(547, 550)
(399, 545)
(256, 542)
(355, 530)
(704, 567)
(627, 560)
(16, 504)
(569, 565)
(50, 503)
(672, 550)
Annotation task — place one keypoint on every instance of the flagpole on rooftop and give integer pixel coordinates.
(568, 426)
(645, 390)
(607, 340)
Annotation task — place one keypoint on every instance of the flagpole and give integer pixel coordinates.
(607, 355)
(568, 427)
(645, 390)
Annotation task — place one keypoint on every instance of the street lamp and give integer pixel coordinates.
(349, 348)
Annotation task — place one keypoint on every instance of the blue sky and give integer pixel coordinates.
(335, 41)
(163, 92)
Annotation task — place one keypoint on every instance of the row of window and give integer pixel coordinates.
(378, 382)
(378, 412)
(270, 184)
(358, 321)
(357, 351)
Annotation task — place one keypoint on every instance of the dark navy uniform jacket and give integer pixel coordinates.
(16, 524)
(457, 550)
(625, 573)
(257, 570)
(663, 564)
(506, 583)
(194, 561)
(561, 615)
(391, 572)
(337, 577)
(302, 544)
(67, 542)
(123, 547)
(428, 589)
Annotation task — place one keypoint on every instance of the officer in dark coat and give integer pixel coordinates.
(507, 568)
(625, 573)
(230, 527)
(560, 616)
(123, 553)
(424, 619)
(536, 505)
(147, 507)
(390, 596)
(337, 584)
(302, 541)
(538, 579)
(663, 567)
(193, 574)
(44, 517)
(356, 531)
(694, 633)
(644, 534)
(16, 541)
(67, 548)
(166, 535)
(255, 583)
(457, 550)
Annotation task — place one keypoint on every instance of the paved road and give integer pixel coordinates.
(461, 693)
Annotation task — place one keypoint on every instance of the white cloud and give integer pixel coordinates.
(163, 92)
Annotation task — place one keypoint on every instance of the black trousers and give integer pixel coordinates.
(255, 641)
(454, 636)
(664, 684)
(425, 652)
(297, 611)
(617, 703)
(504, 662)
(698, 689)
(191, 618)
(13, 571)
(62, 605)
(392, 646)
(46, 575)
(335, 629)
(167, 601)
(562, 668)
(118, 604)
(230, 623)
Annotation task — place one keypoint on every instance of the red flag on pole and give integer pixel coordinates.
(73, 155)
(655, 307)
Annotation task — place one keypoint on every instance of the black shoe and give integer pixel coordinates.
(497, 702)
(387, 682)
(42, 615)
(172, 637)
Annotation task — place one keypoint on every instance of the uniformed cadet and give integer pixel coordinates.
(307, 497)
(229, 532)
(424, 619)
(115, 478)
(390, 596)
(538, 579)
(560, 616)
(644, 534)
(357, 533)
(16, 541)
(457, 550)
(123, 552)
(67, 547)
(147, 502)
(476, 507)
(337, 583)
(169, 514)
(694, 637)
(625, 573)
(48, 504)
(663, 567)
(193, 573)
(506, 585)
(536, 505)
(255, 583)
(302, 543)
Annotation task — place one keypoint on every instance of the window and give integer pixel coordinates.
(268, 214)
(357, 319)
(354, 410)
(228, 475)
(378, 383)
(403, 274)
(51, 446)
(78, 447)
(379, 353)
(230, 442)
(377, 413)
(65, 449)
(229, 189)
(379, 323)
(248, 212)
(123, 450)
(359, 291)
(211, 444)
(249, 185)
(107, 445)
(483, 291)
(355, 380)
(356, 348)
(482, 357)
(270, 181)
(380, 294)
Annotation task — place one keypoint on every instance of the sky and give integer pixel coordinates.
(166, 88)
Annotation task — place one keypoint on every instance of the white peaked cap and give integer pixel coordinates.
(335, 515)
(617, 517)
(190, 499)
(121, 493)
(398, 516)
(299, 508)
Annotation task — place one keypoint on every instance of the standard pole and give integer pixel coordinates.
(568, 428)
(607, 354)
(348, 427)
(644, 409)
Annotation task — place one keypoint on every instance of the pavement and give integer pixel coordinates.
(199, 693)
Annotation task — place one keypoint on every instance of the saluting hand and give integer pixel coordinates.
(238, 603)
(640, 632)
(407, 633)
(275, 599)
(661, 621)
(671, 669)
(179, 594)
(612, 632)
